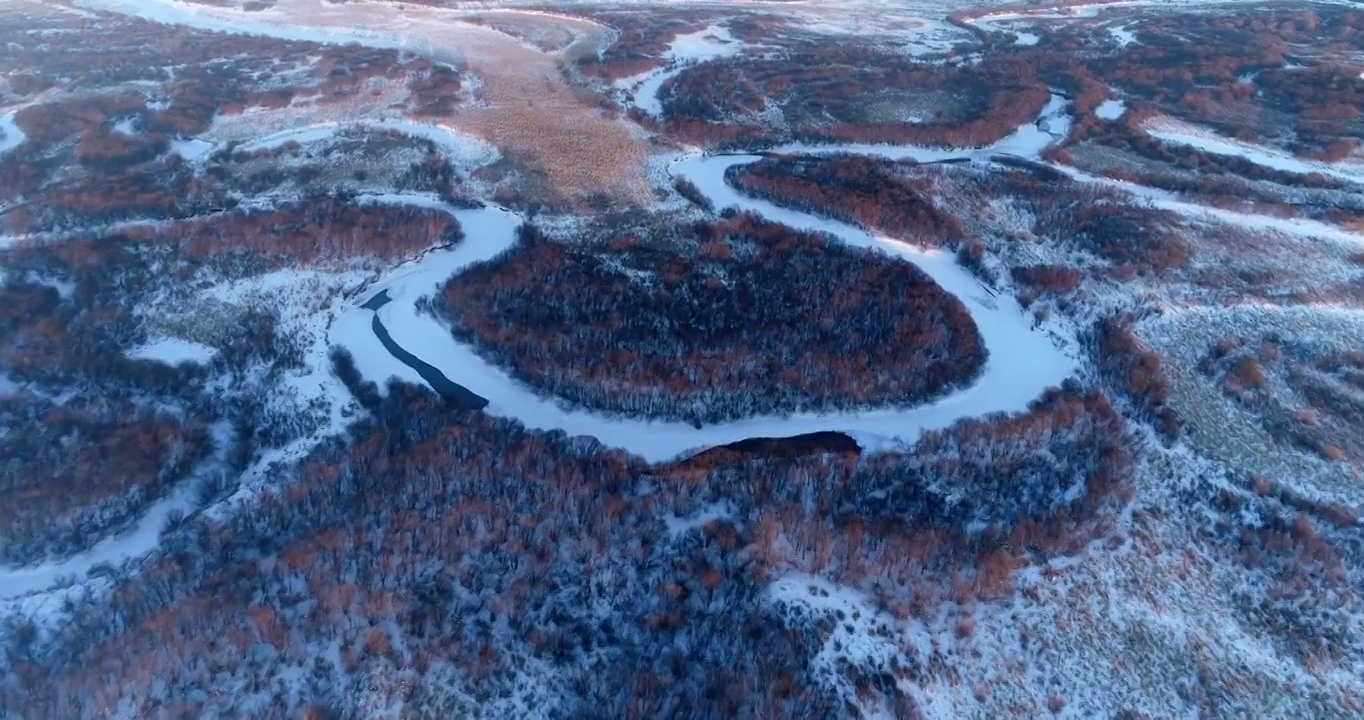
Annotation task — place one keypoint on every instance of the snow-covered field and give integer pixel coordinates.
(191, 150)
(1122, 35)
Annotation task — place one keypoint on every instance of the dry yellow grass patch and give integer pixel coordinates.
(526, 108)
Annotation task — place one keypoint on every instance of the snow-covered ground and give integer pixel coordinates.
(173, 351)
(191, 150)
(863, 636)
(222, 19)
(1110, 109)
(1122, 35)
(300, 135)
(10, 134)
(686, 50)
(1170, 130)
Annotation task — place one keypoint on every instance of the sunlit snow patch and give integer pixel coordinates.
(1110, 110)
(191, 149)
(173, 351)
(10, 134)
(1122, 35)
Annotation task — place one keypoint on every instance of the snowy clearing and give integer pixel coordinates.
(1122, 35)
(1110, 110)
(10, 134)
(191, 150)
(173, 351)
(461, 149)
(863, 637)
(680, 526)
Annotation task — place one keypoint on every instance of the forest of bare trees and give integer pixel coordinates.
(864, 191)
(825, 93)
(755, 318)
(386, 566)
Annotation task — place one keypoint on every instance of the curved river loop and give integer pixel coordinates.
(1023, 360)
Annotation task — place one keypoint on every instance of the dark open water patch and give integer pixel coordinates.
(377, 301)
(816, 443)
(460, 396)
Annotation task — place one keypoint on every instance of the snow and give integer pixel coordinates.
(863, 636)
(709, 44)
(173, 351)
(1166, 200)
(10, 134)
(138, 540)
(680, 526)
(1121, 34)
(65, 288)
(302, 136)
(1110, 110)
(217, 19)
(461, 149)
(192, 149)
(1180, 133)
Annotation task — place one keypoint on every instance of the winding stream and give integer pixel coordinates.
(1023, 361)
